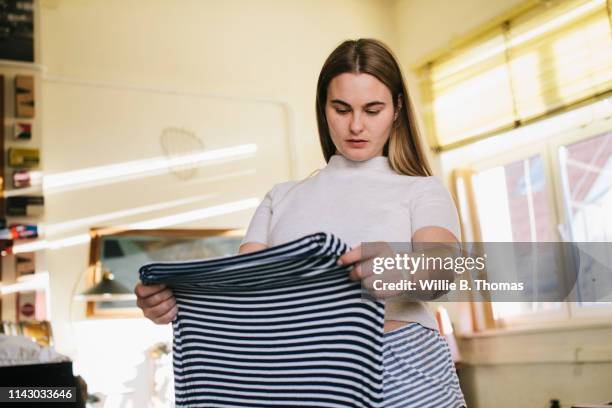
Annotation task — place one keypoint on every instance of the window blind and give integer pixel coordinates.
(550, 57)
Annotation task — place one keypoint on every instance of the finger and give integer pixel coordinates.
(350, 257)
(155, 312)
(355, 273)
(383, 290)
(161, 309)
(168, 317)
(142, 290)
(359, 272)
(156, 299)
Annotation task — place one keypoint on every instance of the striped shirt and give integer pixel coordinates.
(279, 327)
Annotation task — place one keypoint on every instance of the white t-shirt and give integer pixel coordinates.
(357, 201)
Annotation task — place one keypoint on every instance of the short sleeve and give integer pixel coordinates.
(433, 206)
(259, 226)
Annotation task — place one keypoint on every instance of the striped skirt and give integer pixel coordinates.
(418, 370)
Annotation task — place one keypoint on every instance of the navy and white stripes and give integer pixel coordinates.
(279, 327)
(418, 370)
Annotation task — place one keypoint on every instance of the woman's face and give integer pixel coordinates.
(360, 114)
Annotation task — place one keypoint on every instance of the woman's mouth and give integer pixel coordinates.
(357, 143)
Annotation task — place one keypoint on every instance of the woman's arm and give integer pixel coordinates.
(433, 234)
(428, 241)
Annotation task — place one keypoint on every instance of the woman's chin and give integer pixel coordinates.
(359, 154)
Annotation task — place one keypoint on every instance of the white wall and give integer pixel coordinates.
(265, 49)
(427, 26)
(232, 72)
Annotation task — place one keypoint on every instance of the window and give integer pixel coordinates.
(553, 184)
(586, 178)
(586, 167)
(513, 203)
(550, 57)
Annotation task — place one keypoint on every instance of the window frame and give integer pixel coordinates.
(593, 129)
(548, 148)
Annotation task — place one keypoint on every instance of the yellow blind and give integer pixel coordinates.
(548, 58)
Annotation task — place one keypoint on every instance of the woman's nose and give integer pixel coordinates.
(356, 124)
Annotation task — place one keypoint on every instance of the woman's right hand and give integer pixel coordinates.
(157, 302)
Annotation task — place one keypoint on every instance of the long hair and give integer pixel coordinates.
(403, 149)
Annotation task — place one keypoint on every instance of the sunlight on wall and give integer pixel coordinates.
(161, 222)
(141, 168)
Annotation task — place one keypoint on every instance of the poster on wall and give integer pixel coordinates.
(25, 206)
(24, 96)
(22, 131)
(25, 178)
(26, 306)
(24, 264)
(21, 157)
(17, 30)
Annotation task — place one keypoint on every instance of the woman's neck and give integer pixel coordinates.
(378, 163)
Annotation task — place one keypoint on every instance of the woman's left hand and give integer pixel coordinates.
(363, 269)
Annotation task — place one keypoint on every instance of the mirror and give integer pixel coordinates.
(123, 252)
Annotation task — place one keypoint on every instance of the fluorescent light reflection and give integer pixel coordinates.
(197, 214)
(55, 244)
(196, 181)
(36, 178)
(175, 219)
(141, 168)
(105, 297)
(55, 229)
(22, 191)
(38, 281)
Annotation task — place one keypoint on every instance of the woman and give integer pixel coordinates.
(375, 187)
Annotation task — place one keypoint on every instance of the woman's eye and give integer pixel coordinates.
(342, 111)
(372, 112)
